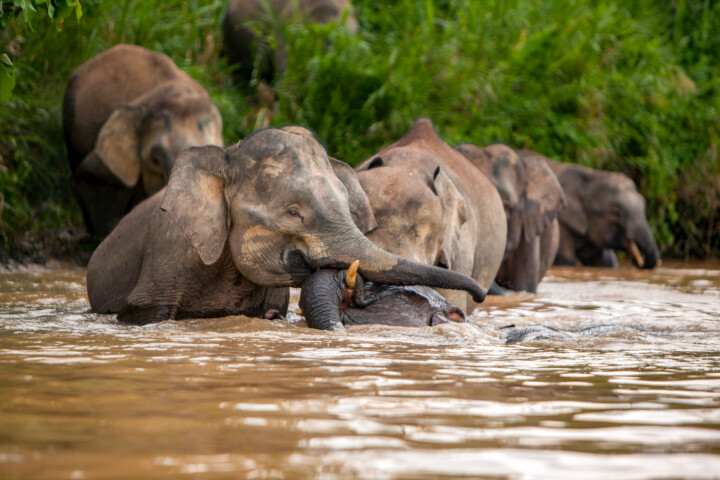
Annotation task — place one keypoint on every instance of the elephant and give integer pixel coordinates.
(533, 198)
(126, 114)
(532, 333)
(431, 206)
(604, 212)
(247, 52)
(234, 228)
(331, 299)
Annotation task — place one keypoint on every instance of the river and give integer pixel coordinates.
(83, 397)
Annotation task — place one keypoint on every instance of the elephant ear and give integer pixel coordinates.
(360, 209)
(455, 217)
(117, 144)
(573, 215)
(195, 199)
(544, 198)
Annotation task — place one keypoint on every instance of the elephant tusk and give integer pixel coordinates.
(299, 311)
(635, 251)
(351, 274)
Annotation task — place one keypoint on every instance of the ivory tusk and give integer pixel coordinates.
(635, 251)
(351, 274)
(299, 311)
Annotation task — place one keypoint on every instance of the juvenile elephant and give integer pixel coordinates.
(533, 198)
(247, 51)
(232, 226)
(126, 114)
(332, 298)
(604, 212)
(431, 205)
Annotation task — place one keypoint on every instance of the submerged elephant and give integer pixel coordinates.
(126, 114)
(248, 52)
(533, 198)
(604, 212)
(332, 298)
(235, 224)
(533, 333)
(431, 206)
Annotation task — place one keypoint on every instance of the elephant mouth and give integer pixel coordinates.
(297, 265)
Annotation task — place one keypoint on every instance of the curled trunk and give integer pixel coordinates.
(328, 301)
(379, 266)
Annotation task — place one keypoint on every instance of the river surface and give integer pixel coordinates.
(83, 397)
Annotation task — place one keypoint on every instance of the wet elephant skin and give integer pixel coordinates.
(327, 303)
(604, 212)
(234, 228)
(532, 198)
(433, 206)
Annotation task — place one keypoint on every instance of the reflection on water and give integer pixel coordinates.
(83, 397)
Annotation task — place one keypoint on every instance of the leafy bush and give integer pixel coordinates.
(628, 86)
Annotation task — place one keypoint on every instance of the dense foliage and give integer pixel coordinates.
(629, 86)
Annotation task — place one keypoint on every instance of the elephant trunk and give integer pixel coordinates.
(642, 247)
(379, 266)
(320, 299)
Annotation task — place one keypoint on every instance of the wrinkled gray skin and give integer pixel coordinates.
(532, 198)
(327, 303)
(604, 212)
(431, 206)
(532, 333)
(243, 47)
(126, 114)
(232, 226)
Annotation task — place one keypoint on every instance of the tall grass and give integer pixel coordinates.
(628, 86)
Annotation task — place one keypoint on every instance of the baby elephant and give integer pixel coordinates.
(126, 114)
(332, 298)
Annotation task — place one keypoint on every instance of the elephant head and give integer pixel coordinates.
(275, 204)
(422, 213)
(332, 298)
(532, 198)
(530, 192)
(604, 211)
(140, 140)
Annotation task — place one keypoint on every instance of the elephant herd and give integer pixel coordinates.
(413, 236)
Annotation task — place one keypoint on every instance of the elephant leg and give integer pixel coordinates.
(566, 248)
(103, 199)
(549, 244)
(496, 289)
(592, 257)
(521, 271)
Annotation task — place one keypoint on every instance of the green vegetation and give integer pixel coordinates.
(628, 86)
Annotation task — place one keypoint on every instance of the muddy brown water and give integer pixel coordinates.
(83, 397)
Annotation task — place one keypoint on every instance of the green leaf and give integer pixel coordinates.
(7, 77)
(26, 6)
(78, 10)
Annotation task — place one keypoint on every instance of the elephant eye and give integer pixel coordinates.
(294, 213)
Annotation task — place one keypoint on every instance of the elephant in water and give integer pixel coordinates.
(431, 206)
(533, 333)
(604, 212)
(333, 298)
(533, 198)
(126, 114)
(248, 52)
(236, 225)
